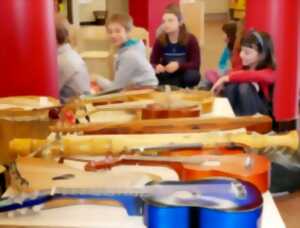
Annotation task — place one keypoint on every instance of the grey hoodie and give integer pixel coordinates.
(132, 67)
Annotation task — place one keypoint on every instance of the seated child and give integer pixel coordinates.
(131, 66)
(224, 65)
(74, 79)
(249, 89)
(176, 53)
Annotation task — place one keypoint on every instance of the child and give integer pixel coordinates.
(176, 53)
(74, 79)
(230, 30)
(131, 66)
(249, 89)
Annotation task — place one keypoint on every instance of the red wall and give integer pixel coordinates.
(139, 11)
(28, 48)
(148, 14)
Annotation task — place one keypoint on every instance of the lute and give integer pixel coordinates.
(248, 167)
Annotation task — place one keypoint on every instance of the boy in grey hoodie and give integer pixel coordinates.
(131, 65)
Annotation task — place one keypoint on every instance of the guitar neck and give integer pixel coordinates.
(223, 194)
(260, 124)
(196, 160)
(123, 95)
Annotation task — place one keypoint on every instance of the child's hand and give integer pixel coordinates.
(172, 67)
(160, 69)
(219, 84)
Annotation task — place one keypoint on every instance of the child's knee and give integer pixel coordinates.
(191, 78)
(212, 75)
(245, 89)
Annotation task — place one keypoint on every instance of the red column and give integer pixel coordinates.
(28, 48)
(298, 48)
(148, 14)
(280, 19)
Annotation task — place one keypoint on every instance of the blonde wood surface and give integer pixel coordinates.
(23, 116)
(40, 173)
(121, 96)
(26, 107)
(20, 129)
(116, 144)
(260, 124)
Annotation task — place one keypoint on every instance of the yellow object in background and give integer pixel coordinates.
(231, 4)
(61, 8)
(237, 7)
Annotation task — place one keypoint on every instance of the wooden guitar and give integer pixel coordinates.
(249, 167)
(163, 212)
(171, 105)
(121, 96)
(212, 197)
(260, 124)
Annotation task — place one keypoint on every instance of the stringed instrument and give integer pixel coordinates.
(26, 107)
(185, 97)
(171, 105)
(213, 196)
(71, 145)
(248, 167)
(138, 104)
(157, 111)
(121, 96)
(260, 124)
(35, 174)
(23, 116)
(141, 98)
(203, 98)
(169, 212)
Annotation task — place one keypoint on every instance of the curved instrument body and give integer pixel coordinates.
(176, 98)
(229, 163)
(23, 116)
(30, 107)
(184, 212)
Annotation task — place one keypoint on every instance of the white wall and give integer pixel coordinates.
(86, 8)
